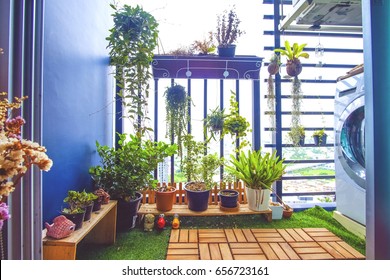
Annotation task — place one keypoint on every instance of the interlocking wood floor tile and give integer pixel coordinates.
(258, 244)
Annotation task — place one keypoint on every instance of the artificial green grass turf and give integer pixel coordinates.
(139, 245)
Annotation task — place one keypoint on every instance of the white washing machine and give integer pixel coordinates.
(350, 148)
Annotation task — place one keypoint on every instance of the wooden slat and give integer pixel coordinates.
(174, 235)
(267, 234)
(303, 244)
(270, 239)
(285, 235)
(183, 237)
(249, 257)
(249, 235)
(239, 235)
(210, 230)
(225, 251)
(204, 251)
(279, 251)
(182, 251)
(314, 229)
(247, 251)
(215, 253)
(270, 254)
(326, 238)
(193, 235)
(183, 257)
(289, 251)
(212, 240)
(183, 245)
(324, 256)
(230, 235)
(260, 230)
(215, 235)
(321, 233)
(309, 250)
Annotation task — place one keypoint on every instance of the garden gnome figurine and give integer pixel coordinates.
(161, 221)
(149, 222)
(176, 221)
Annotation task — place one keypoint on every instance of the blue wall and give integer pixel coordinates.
(78, 86)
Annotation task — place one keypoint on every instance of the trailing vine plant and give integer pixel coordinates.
(236, 125)
(176, 104)
(272, 68)
(132, 41)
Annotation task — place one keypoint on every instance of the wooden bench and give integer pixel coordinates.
(100, 229)
(180, 207)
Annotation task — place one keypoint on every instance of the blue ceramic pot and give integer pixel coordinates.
(197, 200)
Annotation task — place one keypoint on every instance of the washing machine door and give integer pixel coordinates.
(350, 140)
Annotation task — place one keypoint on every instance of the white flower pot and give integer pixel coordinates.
(258, 200)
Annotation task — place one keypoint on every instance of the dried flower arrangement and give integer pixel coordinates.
(17, 155)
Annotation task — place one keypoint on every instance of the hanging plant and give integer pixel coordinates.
(294, 68)
(132, 41)
(297, 135)
(235, 124)
(176, 104)
(272, 68)
(214, 123)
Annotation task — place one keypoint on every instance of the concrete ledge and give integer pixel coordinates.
(351, 225)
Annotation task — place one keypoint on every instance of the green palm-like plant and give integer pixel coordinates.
(256, 170)
(293, 52)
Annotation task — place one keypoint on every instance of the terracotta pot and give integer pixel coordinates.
(294, 67)
(287, 213)
(165, 200)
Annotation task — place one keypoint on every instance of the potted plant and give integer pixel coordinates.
(75, 210)
(87, 201)
(214, 123)
(176, 104)
(199, 170)
(205, 46)
(258, 172)
(131, 43)
(319, 137)
(227, 32)
(228, 198)
(297, 135)
(235, 124)
(165, 196)
(127, 170)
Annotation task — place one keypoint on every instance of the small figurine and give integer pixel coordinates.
(161, 221)
(61, 227)
(149, 222)
(176, 221)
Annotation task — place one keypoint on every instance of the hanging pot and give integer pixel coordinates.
(318, 141)
(294, 67)
(273, 68)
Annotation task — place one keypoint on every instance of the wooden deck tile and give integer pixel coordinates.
(225, 251)
(239, 235)
(289, 251)
(258, 244)
(269, 253)
(249, 235)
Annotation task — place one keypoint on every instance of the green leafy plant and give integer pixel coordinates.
(77, 202)
(293, 66)
(132, 41)
(198, 167)
(214, 123)
(296, 134)
(235, 124)
(128, 169)
(256, 170)
(228, 28)
(319, 133)
(176, 104)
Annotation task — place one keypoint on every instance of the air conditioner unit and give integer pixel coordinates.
(327, 15)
